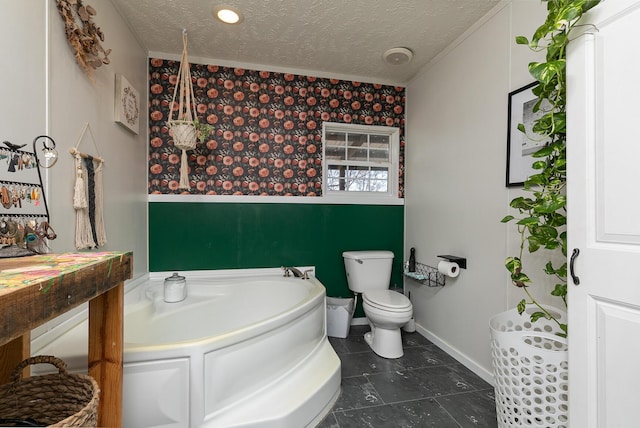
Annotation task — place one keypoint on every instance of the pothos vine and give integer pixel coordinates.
(543, 215)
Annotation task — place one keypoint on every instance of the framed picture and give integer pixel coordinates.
(127, 104)
(521, 146)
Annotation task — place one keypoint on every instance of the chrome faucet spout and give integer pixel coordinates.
(296, 272)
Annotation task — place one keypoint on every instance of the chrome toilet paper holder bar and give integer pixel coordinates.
(461, 261)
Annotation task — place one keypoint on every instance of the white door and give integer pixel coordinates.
(603, 150)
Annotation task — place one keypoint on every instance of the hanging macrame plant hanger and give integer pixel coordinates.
(183, 128)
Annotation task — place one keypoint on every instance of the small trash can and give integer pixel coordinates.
(339, 314)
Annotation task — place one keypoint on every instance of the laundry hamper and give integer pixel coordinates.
(530, 370)
(59, 400)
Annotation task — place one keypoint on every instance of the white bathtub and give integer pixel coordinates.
(241, 351)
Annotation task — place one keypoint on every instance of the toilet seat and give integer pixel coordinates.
(387, 300)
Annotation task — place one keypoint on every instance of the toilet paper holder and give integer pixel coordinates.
(461, 261)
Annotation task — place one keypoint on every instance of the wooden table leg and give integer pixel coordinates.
(12, 354)
(105, 353)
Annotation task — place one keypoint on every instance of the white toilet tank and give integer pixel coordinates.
(368, 270)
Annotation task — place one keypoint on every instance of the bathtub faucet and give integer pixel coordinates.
(296, 272)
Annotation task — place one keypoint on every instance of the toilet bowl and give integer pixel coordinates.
(387, 311)
(369, 274)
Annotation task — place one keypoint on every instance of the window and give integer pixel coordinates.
(360, 159)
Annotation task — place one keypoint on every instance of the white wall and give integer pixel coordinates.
(75, 100)
(455, 167)
(46, 92)
(22, 114)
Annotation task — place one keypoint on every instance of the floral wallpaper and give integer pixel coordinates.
(267, 137)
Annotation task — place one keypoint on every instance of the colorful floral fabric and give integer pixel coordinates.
(267, 137)
(50, 267)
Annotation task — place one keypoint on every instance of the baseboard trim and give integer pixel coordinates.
(359, 321)
(485, 374)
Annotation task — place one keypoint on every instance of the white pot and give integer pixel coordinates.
(185, 134)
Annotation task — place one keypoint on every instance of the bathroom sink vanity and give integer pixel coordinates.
(36, 289)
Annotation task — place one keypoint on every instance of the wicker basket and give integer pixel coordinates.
(58, 400)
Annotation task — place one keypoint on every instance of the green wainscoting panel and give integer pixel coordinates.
(206, 236)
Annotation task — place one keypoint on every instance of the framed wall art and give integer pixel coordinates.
(521, 146)
(127, 104)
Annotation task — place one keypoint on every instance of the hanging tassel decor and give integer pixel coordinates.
(184, 171)
(88, 200)
(101, 233)
(79, 199)
(84, 234)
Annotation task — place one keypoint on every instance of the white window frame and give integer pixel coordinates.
(394, 163)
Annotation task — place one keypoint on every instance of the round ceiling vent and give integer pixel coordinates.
(397, 56)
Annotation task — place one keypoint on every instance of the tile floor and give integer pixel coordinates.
(424, 388)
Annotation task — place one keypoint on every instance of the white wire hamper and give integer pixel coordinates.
(530, 370)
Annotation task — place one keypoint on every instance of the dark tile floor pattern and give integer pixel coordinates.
(424, 388)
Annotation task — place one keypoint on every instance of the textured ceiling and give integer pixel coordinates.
(330, 37)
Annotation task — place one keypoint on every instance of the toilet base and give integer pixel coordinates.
(385, 343)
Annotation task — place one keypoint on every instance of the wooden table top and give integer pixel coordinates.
(35, 289)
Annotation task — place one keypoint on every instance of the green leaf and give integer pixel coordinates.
(545, 72)
(535, 180)
(521, 203)
(522, 305)
(520, 279)
(506, 219)
(528, 221)
(551, 245)
(570, 13)
(512, 264)
(551, 204)
(548, 269)
(556, 220)
(562, 271)
(534, 244)
(521, 40)
(539, 165)
(560, 290)
(537, 315)
(543, 152)
(546, 232)
(564, 328)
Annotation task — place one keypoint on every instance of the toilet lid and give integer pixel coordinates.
(387, 299)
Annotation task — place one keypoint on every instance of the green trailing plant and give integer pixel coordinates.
(543, 213)
(203, 129)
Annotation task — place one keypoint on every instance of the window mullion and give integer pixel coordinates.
(362, 159)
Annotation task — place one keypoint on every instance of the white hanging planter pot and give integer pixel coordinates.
(530, 368)
(185, 134)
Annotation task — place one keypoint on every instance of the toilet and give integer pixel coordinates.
(368, 274)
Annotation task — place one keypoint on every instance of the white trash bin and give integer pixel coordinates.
(339, 314)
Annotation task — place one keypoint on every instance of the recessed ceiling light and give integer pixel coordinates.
(397, 56)
(228, 14)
